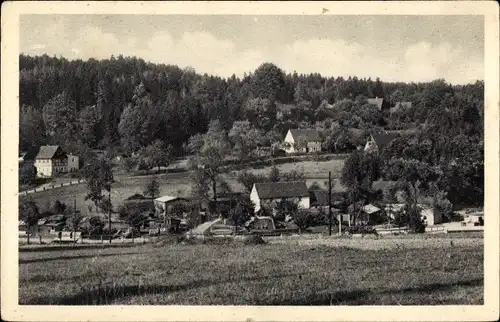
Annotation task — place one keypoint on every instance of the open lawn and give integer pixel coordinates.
(179, 184)
(403, 271)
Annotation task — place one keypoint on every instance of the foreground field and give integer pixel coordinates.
(405, 271)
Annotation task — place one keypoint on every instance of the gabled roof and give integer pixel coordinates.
(305, 134)
(136, 196)
(169, 198)
(276, 190)
(49, 152)
(383, 139)
(377, 101)
(320, 197)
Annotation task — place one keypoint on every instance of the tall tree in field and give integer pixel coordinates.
(99, 177)
(208, 160)
(412, 176)
(29, 213)
(75, 219)
(157, 155)
(358, 174)
(152, 189)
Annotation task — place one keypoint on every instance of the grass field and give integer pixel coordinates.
(400, 271)
(178, 184)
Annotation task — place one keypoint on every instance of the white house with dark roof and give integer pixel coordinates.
(302, 140)
(269, 192)
(50, 161)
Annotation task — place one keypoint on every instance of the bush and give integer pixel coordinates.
(364, 230)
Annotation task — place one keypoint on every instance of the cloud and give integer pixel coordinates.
(207, 53)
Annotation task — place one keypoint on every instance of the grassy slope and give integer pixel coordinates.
(178, 183)
(345, 273)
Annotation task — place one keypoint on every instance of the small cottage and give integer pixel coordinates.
(302, 140)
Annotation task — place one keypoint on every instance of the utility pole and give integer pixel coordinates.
(74, 220)
(109, 216)
(330, 203)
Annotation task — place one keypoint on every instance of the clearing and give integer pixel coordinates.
(398, 271)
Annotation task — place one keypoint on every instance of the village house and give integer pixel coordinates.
(164, 205)
(365, 215)
(52, 160)
(271, 192)
(377, 142)
(379, 102)
(428, 215)
(302, 140)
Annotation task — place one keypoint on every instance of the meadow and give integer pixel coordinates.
(179, 184)
(386, 271)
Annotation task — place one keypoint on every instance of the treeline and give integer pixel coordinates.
(122, 104)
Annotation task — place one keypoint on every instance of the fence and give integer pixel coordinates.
(45, 188)
(87, 240)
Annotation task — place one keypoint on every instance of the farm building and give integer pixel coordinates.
(302, 140)
(271, 192)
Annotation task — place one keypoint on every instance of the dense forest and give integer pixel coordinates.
(123, 104)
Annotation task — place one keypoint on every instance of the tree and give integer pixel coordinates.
(293, 175)
(75, 219)
(90, 121)
(152, 189)
(245, 138)
(99, 177)
(378, 91)
(60, 119)
(29, 213)
(242, 212)
(248, 179)
(268, 82)
(157, 155)
(413, 176)
(302, 219)
(59, 207)
(208, 161)
(31, 128)
(274, 174)
(358, 174)
(27, 174)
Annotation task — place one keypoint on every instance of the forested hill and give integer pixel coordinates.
(123, 103)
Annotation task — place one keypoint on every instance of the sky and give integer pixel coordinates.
(391, 47)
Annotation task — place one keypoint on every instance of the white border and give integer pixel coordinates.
(9, 139)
